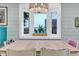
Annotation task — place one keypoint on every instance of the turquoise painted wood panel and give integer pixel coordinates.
(3, 35)
(0, 38)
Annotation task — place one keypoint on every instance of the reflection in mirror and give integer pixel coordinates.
(26, 22)
(54, 22)
(40, 23)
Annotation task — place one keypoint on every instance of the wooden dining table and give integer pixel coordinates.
(37, 44)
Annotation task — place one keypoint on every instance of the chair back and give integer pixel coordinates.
(72, 43)
(30, 52)
(54, 52)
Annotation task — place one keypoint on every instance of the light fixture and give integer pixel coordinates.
(38, 7)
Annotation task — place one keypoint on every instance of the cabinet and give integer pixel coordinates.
(3, 35)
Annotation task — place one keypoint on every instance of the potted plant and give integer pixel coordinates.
(40, 29)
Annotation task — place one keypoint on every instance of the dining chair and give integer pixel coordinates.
(73, 43)
(54, 52)
(30, 52)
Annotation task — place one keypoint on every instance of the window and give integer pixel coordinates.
(40, 23)
(54, 22)
(26, 22)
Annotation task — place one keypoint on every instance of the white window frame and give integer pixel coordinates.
(23, 7)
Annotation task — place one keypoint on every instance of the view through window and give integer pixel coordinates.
(54, 22)
(40, 23)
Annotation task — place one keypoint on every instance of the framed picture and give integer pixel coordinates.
(3, 15)
(76, 21)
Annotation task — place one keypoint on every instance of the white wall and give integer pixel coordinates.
(25, 7)
(13, 20)
(69, 12)
(68, 30)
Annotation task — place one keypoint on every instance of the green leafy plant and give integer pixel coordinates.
(40, 29)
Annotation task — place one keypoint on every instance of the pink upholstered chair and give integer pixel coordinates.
(73, 43)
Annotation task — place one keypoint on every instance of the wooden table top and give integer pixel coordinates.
(28, 44)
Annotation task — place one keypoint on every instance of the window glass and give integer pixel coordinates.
(26, 22)
(54, 22)
(40, 23)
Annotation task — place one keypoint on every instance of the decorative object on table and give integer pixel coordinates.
(3, 15)
(5, 43)
(76, 21)
(10, 41)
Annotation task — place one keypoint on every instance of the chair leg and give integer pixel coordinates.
(37, 53)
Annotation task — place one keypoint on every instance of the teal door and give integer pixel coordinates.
(3, 35)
